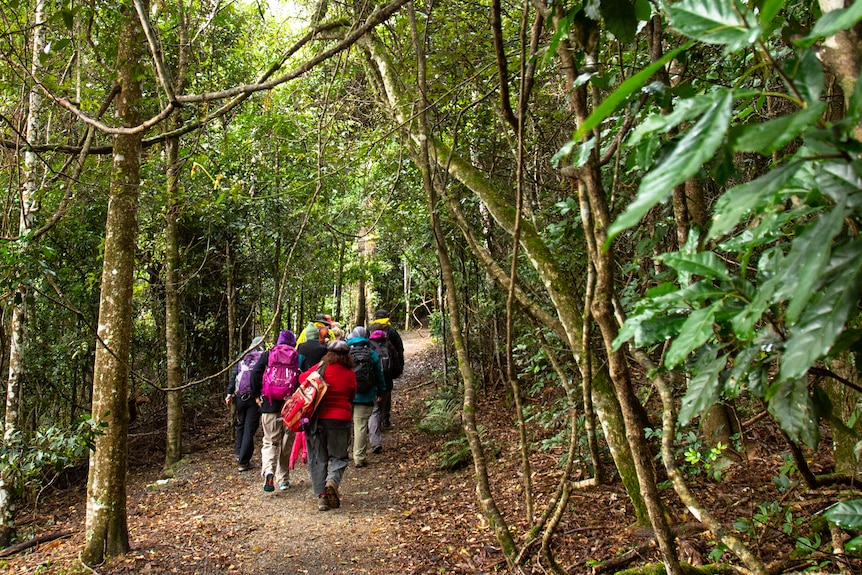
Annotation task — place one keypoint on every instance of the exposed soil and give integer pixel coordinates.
(401, 514)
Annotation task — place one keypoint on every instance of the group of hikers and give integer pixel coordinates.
(359, 369)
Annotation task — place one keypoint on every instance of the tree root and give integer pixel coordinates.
(658, 569)
(18, 547)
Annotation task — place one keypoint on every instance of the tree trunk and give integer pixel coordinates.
(483, 484)
(19, 309)
(557, 284)
(596, 218)
(107, 533)
(173, 331)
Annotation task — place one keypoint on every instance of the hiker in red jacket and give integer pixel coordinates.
(328, 440)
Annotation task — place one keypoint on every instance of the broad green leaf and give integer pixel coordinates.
(854, 110)
(643, 10)
(690, 295)
(704, 388)
(790, 404)
(769, 9)
(696, 147)
(613, 101)
(806, 75)
(847, 514)
(808, 257)
(767, 137)
(620, 19)
(695, 332)
(841, 182)
(824, 318)
(833, 22)
(714, 22)
(658, 329)
(683, 111)
(747, 197)
(705, 264)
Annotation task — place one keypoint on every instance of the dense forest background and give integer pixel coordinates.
(638, 222)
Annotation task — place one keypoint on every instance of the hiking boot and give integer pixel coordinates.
(284, 486)
(243, 467)
(268, 483)
(322, 502)
(387, 424)
(362, 463)
(377, 449)
(332, 494)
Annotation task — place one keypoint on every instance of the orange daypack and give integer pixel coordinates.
(300, 407)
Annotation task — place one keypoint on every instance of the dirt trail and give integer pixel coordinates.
(212, 519)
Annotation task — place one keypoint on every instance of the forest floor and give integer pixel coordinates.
(401, 514)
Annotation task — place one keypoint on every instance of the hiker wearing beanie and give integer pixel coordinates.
(320, 324)
(274, 377)
(328, 437)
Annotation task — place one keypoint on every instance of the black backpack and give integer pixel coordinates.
(383, 348)
(363, 367)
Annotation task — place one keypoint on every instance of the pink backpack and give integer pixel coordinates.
(282, 373)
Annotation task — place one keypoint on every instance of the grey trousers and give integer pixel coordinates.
(328, 453)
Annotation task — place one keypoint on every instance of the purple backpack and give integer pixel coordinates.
(243, 376)
(282, 373)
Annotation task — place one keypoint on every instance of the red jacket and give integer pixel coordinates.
(342, 389)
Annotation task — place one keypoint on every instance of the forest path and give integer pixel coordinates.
(400, 514)
(283, 532)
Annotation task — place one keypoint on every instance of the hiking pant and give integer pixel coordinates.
(275, 448)
(361, 414)
(375, 425)
(247, 420)
(327, 453)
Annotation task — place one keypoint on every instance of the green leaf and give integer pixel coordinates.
(808, 257)
(769, 9)
(767, 137)
(704, 388)
(847, 514)
(807, 76)
(790, 404)
(833, 22)
(854, 110)
(643, 10)
(714, 22)
(824, 318)
(620, 19)
(682, 112)
(742, 199)
(696, 147)
(695, 332)
(705, 264)
(612, 102)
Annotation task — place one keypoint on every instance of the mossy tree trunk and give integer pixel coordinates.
(107, 533)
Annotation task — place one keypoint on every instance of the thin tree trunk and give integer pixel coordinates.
(556, 283)
(17, 331)
(483, 485)
(107, 533)
(595, 217)
(173, 331)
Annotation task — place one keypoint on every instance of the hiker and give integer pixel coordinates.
(320, 322)
(273, 379)
(313, 348)
(246, 409)
(381, 417)
(369, 383)
(328, 437)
